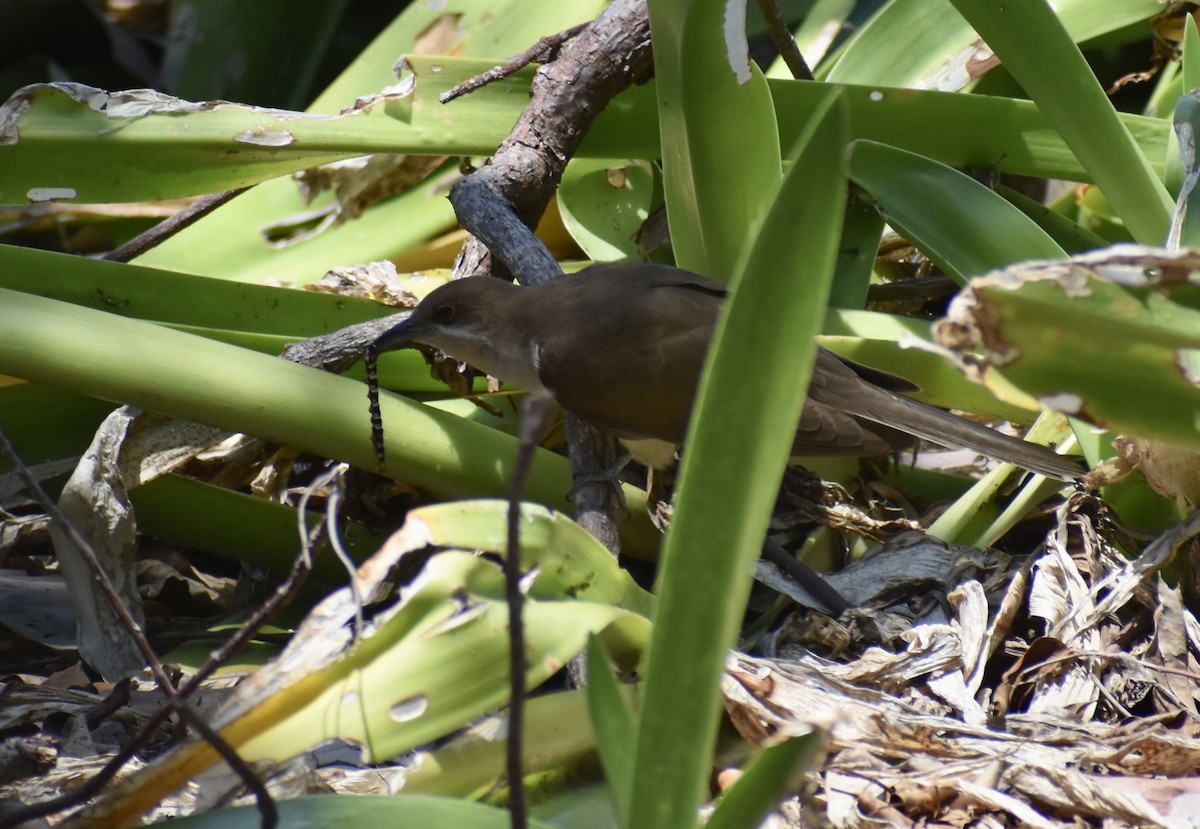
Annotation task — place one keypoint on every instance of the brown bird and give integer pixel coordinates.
(623, 345)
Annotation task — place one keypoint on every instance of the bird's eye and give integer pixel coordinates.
(444, 314)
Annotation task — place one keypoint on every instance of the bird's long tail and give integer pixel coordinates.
(945, 429)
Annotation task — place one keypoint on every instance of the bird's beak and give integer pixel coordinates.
(398, 336)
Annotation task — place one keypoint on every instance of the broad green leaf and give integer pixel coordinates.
(180, 299)
(1008, 134)
(361, 810)
(604, 203)
(715, 170)
(48, 425)
(131, 361)
(73, 142)
(431, 661)
(615, 727)
(1028, 37)
(1002, 134)
(258, 317)
(1067, 234)
(861, 234)
(1190, 61)
(939, 50)
(737, 450)
(1095, 337)
(472, 764)
(470, 28)
(237, 526)
(934, 35)
(954, 220)
(230, 240)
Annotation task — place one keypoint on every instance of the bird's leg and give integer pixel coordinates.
(660, 488)
(610, 475)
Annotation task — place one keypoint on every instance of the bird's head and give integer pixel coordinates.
(473, 320)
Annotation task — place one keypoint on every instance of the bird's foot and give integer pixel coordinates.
(610, 476)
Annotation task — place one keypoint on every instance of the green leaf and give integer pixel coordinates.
(772, 776)
(604, 203)
(715, 170)
(939, 50)
(954, 220)
(237, 526)
(47, 424)
(180, 299)
(1127, 316)
(79, 142)
(737, 449)
(399, 682)
(615, 727)
(131, 361)
(361, 810)
(230, 241)
(472, 764)
(1004, 134)
(1068, 235)
(861, 233)
(1028, 37)
(452, 615)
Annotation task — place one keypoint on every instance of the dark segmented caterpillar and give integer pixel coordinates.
(371, 362)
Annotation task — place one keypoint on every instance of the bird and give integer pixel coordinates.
(622, 346)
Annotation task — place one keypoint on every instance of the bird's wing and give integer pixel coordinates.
(826, 429)
(635, 372)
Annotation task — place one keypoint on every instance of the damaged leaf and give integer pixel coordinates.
(1109, 337)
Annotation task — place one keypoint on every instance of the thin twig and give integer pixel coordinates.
(282, 595)
(267, 809)
(566, 95)
(534, 413)
(167, 228)
(535, 53)
(808, 578)
(781, 36)
(331, 477)
(89, 555)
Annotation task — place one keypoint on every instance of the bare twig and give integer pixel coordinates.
(89, 555)
(534, 54)
(781, 36)
(504, 199)
(534, 413)
(267, 809)
(167, 228)
(283, 594)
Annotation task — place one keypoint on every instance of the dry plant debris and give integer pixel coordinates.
(1060, 692)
